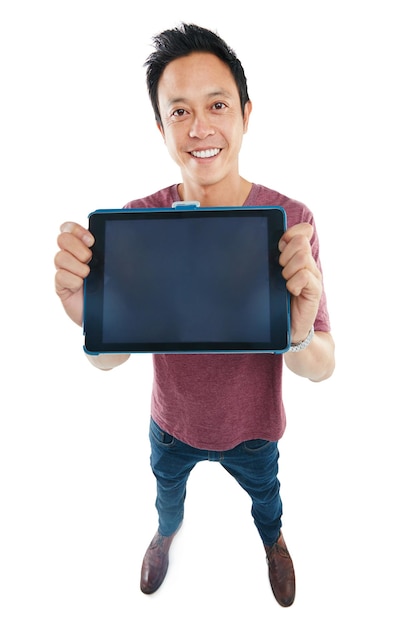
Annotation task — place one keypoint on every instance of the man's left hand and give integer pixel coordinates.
(304, 279)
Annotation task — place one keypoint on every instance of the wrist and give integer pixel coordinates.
(297, 346)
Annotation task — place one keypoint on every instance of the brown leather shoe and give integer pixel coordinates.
(155, 563)
(281, 572)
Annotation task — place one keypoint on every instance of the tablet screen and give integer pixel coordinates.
(186, 281)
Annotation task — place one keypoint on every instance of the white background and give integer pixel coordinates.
(333, 125)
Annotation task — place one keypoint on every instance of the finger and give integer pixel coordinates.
(304, 229)
(298, 248)
(300, 260)
(72, 244)
(305, 282)
(64, 260)
(67, 282)
(78, 231)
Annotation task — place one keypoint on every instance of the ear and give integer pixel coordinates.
(246, 115)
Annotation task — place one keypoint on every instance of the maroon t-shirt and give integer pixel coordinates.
(216, 401)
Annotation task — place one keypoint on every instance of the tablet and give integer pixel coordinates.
(186, 279)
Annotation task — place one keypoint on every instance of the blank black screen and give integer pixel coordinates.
(193, 279)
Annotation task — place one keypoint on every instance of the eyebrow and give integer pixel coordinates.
(213, 94)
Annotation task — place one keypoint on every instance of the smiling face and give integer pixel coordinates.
(202, 121)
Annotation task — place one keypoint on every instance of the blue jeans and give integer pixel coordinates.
(254, 464)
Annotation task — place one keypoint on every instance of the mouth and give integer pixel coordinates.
(205, 154)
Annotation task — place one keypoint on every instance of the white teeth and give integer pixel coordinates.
(205, 154)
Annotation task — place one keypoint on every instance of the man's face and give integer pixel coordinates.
(202, 121)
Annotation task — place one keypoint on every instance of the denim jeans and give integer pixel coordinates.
(254, 464)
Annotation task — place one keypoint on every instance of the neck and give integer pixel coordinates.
(216, 195)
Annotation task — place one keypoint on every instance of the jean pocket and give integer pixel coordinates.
(160, 436)
(256, 445)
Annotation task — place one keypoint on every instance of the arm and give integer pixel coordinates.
(304, 282)
(72, 267)
(316, 362)
(107, 361)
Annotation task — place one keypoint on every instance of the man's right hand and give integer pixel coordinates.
(72, 267)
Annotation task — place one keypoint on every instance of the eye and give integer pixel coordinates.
(219, 105)
(179, 113)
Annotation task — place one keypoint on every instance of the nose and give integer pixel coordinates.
(201, 126)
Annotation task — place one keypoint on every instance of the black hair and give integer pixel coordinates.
(182, 41)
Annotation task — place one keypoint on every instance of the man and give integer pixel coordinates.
(224, 407)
